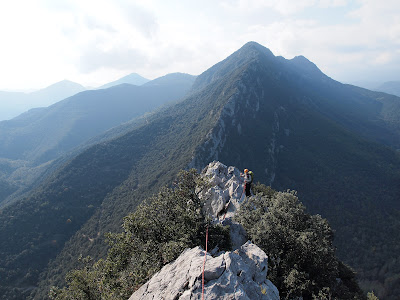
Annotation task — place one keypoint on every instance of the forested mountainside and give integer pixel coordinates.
(30, 141)
(292, 125)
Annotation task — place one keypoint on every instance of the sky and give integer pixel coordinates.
(95, 42)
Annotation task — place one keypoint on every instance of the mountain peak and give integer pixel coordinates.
(57, 91)
(259, 57)
(66, 84)
(304, 64)
(254, 46)
(250, 52)
(132, 78)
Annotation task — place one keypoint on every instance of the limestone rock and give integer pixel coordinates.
(224, 186)
(223, 196)
(240, 274)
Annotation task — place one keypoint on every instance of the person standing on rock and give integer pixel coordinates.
(248, 179)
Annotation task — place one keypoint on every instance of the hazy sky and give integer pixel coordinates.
(94, 42)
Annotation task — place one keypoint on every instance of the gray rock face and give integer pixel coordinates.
(223, 197)
(240, 274)
(225, 186)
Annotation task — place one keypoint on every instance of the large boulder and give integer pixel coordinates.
(240, 274)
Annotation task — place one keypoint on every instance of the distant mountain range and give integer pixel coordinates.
(390, 87)
(40, 135)
(43, 134)
(14, 103)
(292, 125)
(133, 78)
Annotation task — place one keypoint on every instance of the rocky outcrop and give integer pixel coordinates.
(222, 198)
(240, 274)
(224, 193)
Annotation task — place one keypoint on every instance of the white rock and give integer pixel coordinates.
(224, 186)
(232, 275)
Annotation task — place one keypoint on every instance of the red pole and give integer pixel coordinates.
(204, 264)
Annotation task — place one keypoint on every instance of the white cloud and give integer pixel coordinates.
(383, 58)
(332, 3)
(93, 42)
(119, 58)
(287, 7)
(365, 46)
(284, 7)
(141, 19)
(31, 44)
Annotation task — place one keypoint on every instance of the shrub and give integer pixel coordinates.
(154, 235)
(302, 260)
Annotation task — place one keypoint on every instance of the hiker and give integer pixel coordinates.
(248, 179)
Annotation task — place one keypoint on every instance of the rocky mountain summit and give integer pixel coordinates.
(238, 274)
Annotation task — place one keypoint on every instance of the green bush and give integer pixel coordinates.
(154, 235)
(302, 260)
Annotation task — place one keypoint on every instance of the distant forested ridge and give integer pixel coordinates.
(29, 143)
(13, 104)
